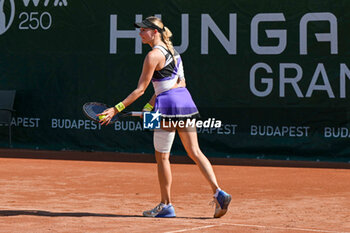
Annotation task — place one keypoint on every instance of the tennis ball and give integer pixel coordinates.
(102, 117)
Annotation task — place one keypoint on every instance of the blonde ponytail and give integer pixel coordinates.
(166, 34)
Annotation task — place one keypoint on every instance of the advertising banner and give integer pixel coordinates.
(274, 73)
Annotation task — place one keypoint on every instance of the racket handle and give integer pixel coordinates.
(138, 114)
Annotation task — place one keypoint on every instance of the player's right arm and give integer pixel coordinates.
(150, 63)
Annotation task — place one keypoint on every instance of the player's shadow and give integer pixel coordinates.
(61, 214)
(74, 214)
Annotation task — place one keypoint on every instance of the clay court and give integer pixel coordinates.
(56, 195)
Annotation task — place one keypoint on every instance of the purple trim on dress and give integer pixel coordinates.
(163, 79)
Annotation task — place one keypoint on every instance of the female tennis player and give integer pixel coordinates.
(163, 66)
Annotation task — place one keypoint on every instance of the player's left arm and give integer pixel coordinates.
(150, 104)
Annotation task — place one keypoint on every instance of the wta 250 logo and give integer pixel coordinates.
(32, 20)
(5, 22)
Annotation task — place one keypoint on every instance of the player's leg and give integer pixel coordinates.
(190, 142)
(163, 140)
(164, 176)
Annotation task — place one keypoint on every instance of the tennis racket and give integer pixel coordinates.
(91, 109)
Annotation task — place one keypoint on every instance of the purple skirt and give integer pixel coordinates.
(176, 103)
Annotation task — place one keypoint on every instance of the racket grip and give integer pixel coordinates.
(138, 114)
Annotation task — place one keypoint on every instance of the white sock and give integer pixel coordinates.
(217, 192)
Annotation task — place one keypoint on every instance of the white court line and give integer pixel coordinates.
(192, 229)
(257, 226)
(284, 228)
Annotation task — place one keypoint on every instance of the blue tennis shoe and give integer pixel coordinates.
(222, 201)
(161, 211)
